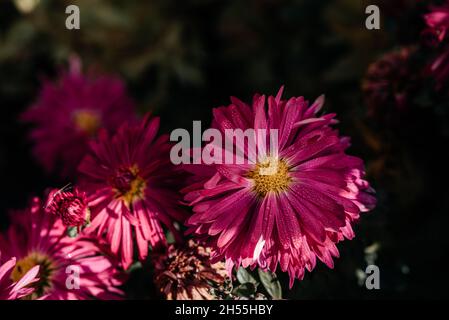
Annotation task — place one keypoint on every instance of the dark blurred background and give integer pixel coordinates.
(182, 58)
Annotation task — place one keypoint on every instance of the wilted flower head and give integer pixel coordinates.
(388, 82)
(13, 287)
(70, 206)
(69, 268)
(70, 112)
(186, 273)
(292, 215)
(131, 186)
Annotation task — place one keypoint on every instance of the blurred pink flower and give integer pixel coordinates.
(389, 83)
(439, 68)
(36, 238)
(15, 289)
(437, 21)
(296, 213)
(435, 34)
(70, 112)
(131, 185)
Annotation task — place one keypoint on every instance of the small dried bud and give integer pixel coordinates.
(70, 206)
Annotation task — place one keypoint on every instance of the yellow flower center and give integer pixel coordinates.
(128, 185)
(46, 268)
(271, 175)
(87, 121)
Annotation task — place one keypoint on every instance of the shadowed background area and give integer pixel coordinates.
(180, 59)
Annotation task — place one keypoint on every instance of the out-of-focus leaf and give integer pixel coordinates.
(18, 37)
(187, 73)
(105, 15)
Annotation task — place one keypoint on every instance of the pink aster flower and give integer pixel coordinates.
(69, 268)
(71, 111)
(295, 213)
(131, 186)
(10, 289)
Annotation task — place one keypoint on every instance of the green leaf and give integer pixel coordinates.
(271, 284)
(245, 290)
(244, 276)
